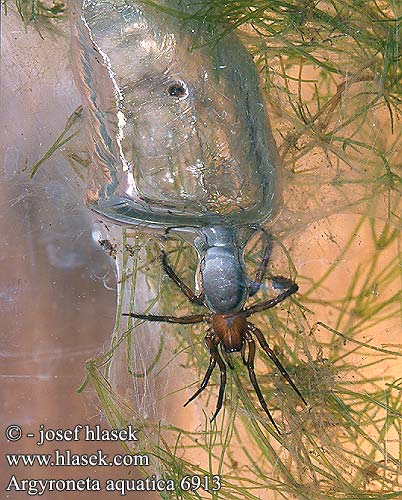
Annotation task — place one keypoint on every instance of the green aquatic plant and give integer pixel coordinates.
(44, 16)
(332, 74)
(37, 11)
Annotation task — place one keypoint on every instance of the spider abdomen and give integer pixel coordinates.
(223, 280)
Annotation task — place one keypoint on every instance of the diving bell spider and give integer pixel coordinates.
(225, 289)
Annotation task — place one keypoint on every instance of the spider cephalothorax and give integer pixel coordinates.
(230, 330)
(224, 291)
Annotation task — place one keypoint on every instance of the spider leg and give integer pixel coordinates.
(207, 376)
(192, 297)
(243, 353)
(253, 378)
(289, 286)
(227, 360)
(270, 353)
(184, 320)
(259, 275)
(215, 358)
(222, 368)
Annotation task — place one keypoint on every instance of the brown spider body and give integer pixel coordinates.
(230, 330)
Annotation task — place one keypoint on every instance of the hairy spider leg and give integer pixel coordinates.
(243, 354)
(228, 361)
(184, 320)
(207, 376)
(186, 290)
(222, 385)
(259, 275)
(272, 356)
(212, 342)
(253, 378)
(290, 288)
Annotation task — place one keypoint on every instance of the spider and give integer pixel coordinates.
(225, 289)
